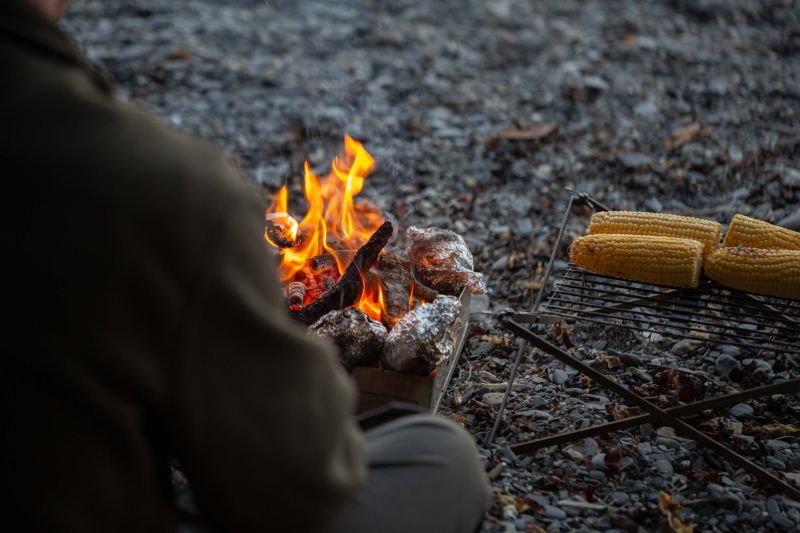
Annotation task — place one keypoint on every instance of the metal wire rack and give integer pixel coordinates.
(711, 313)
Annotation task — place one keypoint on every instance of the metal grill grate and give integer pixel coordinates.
(710, 313)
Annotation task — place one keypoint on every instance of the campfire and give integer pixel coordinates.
(352, 276)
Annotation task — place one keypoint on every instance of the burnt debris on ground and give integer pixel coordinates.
(480, 115)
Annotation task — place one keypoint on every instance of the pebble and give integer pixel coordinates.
(539, 401)
(620, 498)
(665, 431)
(559, 376)
(493, 399)
(598, 475)
(725, 364)
(664, 467)
(684, 346)
(646, 109)
(782, 521)
(741, 409)
(633, 160)
(776, 444)
(551, 511)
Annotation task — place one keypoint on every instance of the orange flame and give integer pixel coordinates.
(334, 222)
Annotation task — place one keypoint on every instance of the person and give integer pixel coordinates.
(145, 321)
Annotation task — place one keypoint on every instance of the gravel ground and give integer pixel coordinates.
(681, 106)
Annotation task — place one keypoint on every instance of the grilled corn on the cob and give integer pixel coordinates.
(753, 233)
(647, 258)
(774, 271)
(642, 223)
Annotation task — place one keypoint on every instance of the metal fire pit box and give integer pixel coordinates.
(378, 387)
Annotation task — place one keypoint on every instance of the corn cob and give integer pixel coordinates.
(775, 272)
(641, 223)
(753, 233)
(647, 258)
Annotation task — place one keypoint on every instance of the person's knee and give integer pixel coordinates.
(456, 452)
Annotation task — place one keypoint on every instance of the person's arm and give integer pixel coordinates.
(264, 425)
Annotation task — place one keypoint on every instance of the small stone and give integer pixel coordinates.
(646, 109)
(664, 467)
(620, 498)
(501, 264)
(684, 346)
(501, 232)
(741, 409)
(600, 344)
(725, 364)
(551, 511)
(493, 399)
(559, 376)
(598, 475)
(539, 401)
(633, 160)
(665, 431)
(777, 444)
(782, 521)
(790, 177)
(595, 83)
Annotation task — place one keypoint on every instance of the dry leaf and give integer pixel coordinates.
(532, 133)
(774, 431)
(685, 134)
(793, 476)
(668, 507)
(497, 339)
(529, 284)
(179, 53)
(689, 388)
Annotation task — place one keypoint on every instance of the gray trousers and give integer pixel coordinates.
(424, 476)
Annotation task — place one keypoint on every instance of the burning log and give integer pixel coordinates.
(443, 261)
(424, 337)
(275, 234)
(348, 288)
(358, 338)
(296, 293)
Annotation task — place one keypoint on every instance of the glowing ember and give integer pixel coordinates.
(334, 226)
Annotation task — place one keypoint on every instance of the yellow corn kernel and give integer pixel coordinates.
(647, 258)
(774, 271)
(664, 225)
(754, 233)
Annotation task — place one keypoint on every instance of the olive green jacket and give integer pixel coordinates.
(145, 320)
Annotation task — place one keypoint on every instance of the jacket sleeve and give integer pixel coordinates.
(265, 427)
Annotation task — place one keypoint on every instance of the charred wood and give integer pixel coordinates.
(348, 288)
(275, 235)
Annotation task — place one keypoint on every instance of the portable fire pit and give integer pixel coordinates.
(395, 304)
(710, 313)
